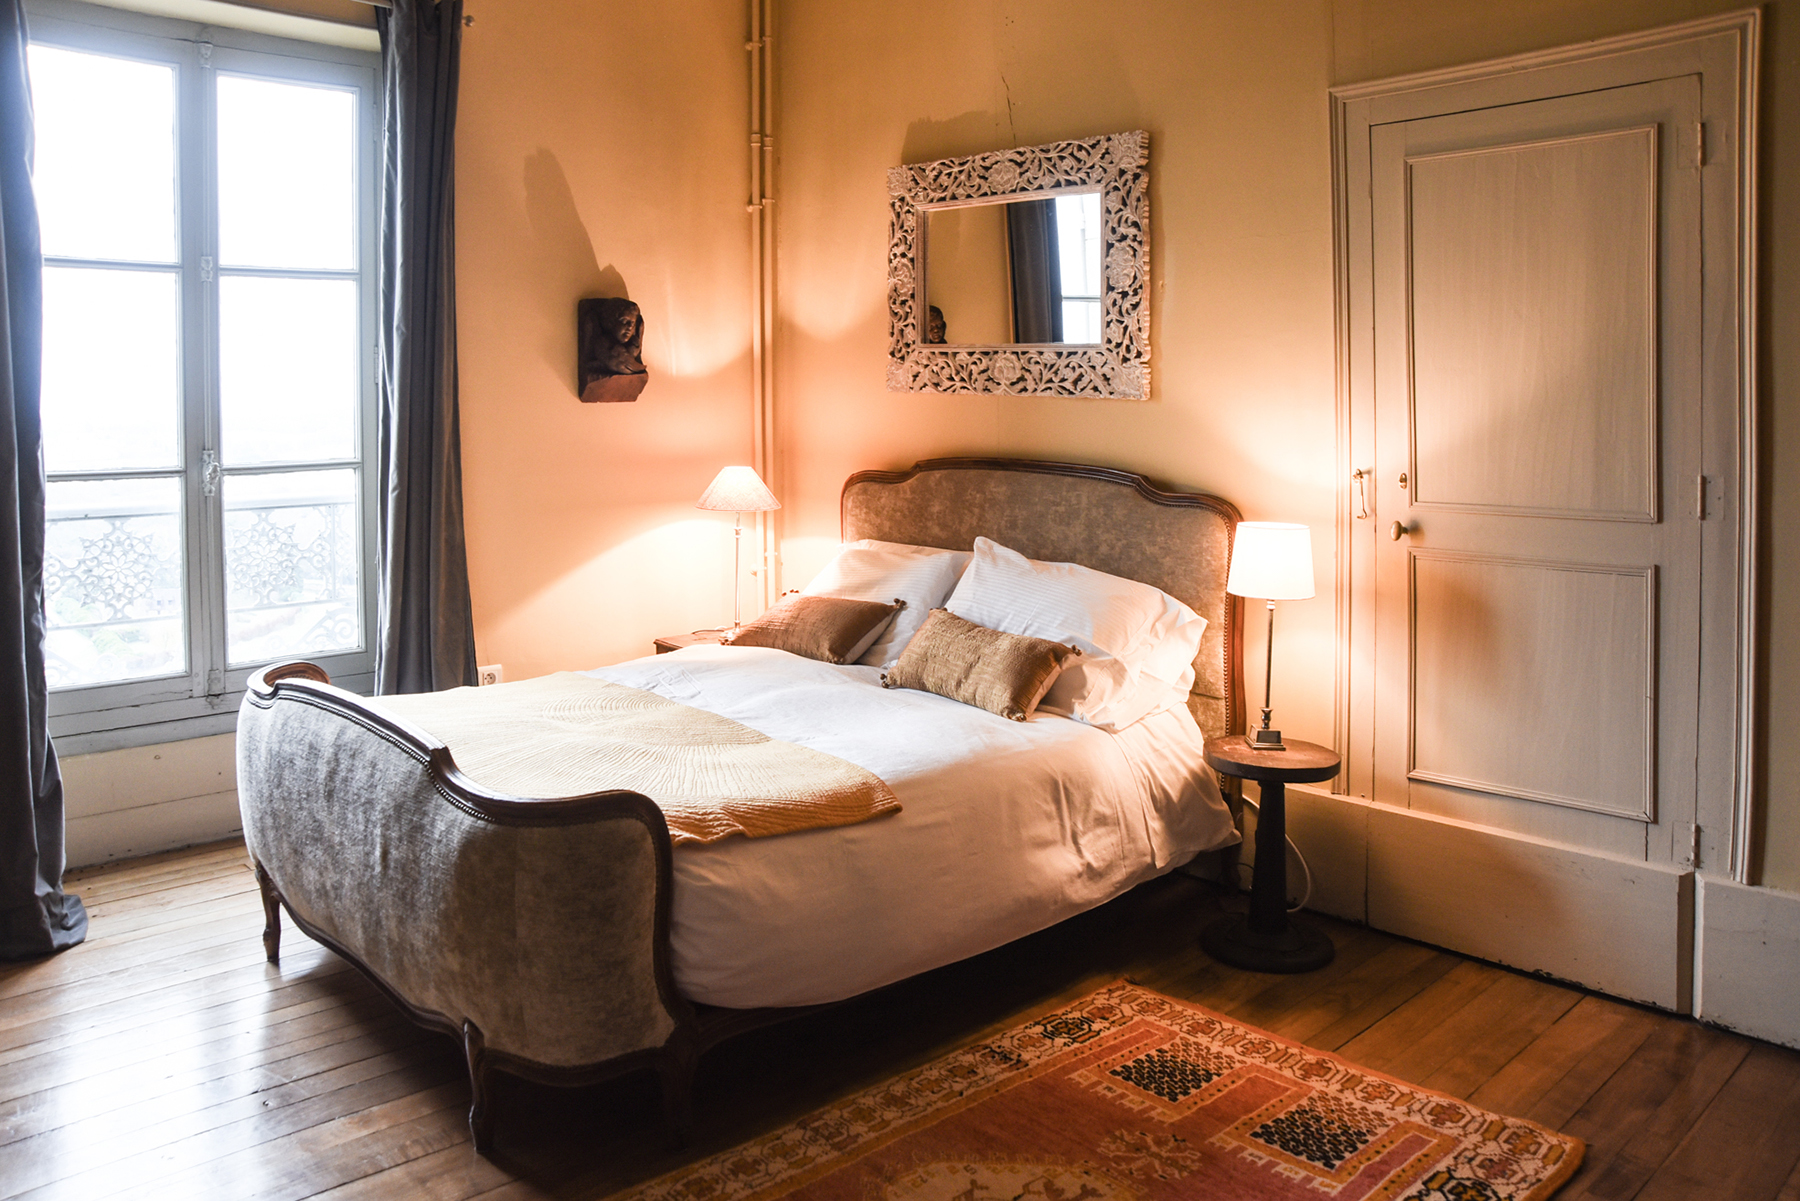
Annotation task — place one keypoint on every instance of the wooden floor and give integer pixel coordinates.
(165, 1058)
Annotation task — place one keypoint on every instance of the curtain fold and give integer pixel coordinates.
(1036, 271)
(426, 639)
(36, 915)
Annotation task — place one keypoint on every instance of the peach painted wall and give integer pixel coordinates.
(600, 151)
(1243, 404)
(1241, 314)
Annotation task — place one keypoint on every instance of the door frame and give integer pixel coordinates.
(1723, 51)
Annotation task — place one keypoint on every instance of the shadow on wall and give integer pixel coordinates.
(969, 133)
(564, 257)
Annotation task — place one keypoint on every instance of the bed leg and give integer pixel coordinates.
(271, 915)
(481, 1116)
(679, 1060)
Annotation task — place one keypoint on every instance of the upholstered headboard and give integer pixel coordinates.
(1109, 520)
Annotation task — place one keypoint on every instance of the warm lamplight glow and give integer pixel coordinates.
(1271, 560)
(741, 490)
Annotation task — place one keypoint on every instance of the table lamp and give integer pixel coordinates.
(739, 490)
(1271, 560)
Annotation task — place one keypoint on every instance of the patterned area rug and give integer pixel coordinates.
(1131, 1096)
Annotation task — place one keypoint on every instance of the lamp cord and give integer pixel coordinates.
(1305, 870)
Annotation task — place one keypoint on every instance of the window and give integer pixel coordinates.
(1078, 240)
(206, 202)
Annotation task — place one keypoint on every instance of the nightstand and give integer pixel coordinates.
(1267, 939)
(674, 642)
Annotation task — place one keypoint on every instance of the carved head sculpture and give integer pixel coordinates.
(610, 342)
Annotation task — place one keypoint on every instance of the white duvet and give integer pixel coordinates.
(1007, 827)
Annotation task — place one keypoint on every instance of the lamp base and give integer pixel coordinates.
(1296, 947)
(1264, 739)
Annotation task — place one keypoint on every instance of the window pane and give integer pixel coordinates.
(1078, 244)
(287, 170)
(292, 551)
(113, 581)
(287, 369)
(1081, 320)
(112, 369)
(104, 164)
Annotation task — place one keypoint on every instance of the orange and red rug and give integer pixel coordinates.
(1128, 1095)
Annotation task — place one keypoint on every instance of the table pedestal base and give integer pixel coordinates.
(1297, 947)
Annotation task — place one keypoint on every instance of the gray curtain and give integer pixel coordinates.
(1036, 271)
(36, 915)
(427, 638)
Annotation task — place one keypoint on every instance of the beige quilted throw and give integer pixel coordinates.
(565, 735)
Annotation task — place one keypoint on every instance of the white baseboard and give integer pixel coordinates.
(1749, 951)
(147, 829)
(1621, 926)
(145, 799)
(1333, 833)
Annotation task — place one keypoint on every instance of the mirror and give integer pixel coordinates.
(1036, 264)
(1014, 272)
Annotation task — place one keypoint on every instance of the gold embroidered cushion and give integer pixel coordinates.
(1003, 673)
(831, 629)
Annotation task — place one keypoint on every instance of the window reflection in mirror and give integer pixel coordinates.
(1014, 272)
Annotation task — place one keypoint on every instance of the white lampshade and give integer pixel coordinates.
(739, 490)
(1271, 560)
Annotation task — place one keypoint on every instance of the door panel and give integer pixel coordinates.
(1533, 299)
(1535, 656)
(1537, 283)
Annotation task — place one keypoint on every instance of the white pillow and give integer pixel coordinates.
(869, 569)
(1138, 641)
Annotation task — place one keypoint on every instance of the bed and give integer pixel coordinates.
(567, 939)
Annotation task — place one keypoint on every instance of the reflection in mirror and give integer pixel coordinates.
(1014, 272)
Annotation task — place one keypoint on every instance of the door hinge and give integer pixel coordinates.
(215, 682)
(1700, 497)
(1693, 855)
(206, 268)
(205, 49)
(210, 471)
(1699, 144)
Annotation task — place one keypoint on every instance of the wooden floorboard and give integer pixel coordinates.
(1634, 1121)
(1535, 1072)
(91, 1032)
(166, 1058)
(1757, 1110)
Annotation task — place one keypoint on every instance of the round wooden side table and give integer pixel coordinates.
(1267, 939)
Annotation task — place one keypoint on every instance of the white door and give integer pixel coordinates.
(1537, 438)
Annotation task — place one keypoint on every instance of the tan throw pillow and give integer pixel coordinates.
(827, 628)
(1006, 674)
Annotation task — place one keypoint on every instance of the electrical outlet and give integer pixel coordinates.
(493, 673)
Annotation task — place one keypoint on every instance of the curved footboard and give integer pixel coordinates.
(536, 931)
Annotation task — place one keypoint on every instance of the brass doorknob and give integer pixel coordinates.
(1397, 529)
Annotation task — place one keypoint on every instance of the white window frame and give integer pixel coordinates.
(204, 699)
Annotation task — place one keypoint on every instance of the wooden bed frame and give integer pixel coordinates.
(319, 770)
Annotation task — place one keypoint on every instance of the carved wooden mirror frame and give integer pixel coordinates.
(1119, 367)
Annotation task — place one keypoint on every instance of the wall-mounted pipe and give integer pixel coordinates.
(761, 47)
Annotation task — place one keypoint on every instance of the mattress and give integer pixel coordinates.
(1005, 828)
